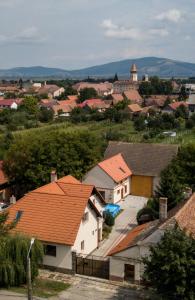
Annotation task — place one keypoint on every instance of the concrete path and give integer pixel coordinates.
(123, 223)
(86, 289)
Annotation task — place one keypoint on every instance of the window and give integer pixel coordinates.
(50, 250)
(118, 192)
(125, 189)
(82, 245)
(85, 217)
(93, 232)
(18, 215)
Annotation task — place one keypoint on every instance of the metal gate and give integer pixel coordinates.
(95, 266)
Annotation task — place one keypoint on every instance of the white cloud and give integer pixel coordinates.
(27, 36)
(172, 15)
(121, 32)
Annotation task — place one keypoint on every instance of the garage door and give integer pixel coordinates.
(141, 186)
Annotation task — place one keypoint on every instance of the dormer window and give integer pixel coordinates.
(85, 217)
(18, 215)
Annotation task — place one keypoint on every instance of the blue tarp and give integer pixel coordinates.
(114, 209)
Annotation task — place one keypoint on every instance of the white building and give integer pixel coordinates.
(66, 216)
(126, 257)
(112, 178)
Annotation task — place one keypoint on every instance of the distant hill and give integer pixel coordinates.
(161, 67)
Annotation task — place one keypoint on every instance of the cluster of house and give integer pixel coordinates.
(111, 93)
(67, 214)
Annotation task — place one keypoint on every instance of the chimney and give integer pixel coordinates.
(54, 176)
(162, 209)
(12, 199)
(188, 192)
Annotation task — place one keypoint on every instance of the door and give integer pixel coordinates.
(141, 186)
(122, 193)
(129, 272)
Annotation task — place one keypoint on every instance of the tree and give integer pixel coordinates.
(115, 77)
(13, 254)
(45, 115)
(31, 158)
(182, 112)
(183, 95)
(30, 104)
(170, 269)
(87, 93)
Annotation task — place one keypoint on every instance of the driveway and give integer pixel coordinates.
(123, 223)
(86, 289)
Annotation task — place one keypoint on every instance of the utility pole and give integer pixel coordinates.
(29, 282)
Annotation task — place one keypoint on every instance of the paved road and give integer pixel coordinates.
(123, 223)
(7, 295)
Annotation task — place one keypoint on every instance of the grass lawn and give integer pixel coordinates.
(43, 288)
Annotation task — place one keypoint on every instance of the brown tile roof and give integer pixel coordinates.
(134, 108)
(128, 239)
(99, 87)
(158, 100)
(3, 178)
(134, 96)
(116, 168)
(53, 213)
(143, 159)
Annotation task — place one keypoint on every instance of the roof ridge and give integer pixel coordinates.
(45, 193)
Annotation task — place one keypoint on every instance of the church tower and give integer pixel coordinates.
(133, 72)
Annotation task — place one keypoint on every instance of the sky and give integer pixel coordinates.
(72, 34)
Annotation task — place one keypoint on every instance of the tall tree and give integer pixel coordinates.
(171, 266)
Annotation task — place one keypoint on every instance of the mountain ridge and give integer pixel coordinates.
(161, 67)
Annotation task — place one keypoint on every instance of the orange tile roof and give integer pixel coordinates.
(73, 97)
(3, 178)
(135, 107)
(53, 213)
(130, 237)
(68, 179)
(116, 168)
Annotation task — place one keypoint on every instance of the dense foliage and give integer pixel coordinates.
(156, 86)
(180, 173)
(30, 159)
(171, 267)
(13, 255)
(87, 93)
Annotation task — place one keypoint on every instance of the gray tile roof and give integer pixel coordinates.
(143, 159)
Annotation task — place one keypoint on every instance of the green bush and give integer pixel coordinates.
(109, 219)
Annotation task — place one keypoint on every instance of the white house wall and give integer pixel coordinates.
(119, 187)
(98, 203)
(101, 181)
(88, 232)
(63, 257)
(156, 181)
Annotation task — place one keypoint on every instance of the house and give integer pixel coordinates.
(126, 257)
(134, 109)
(172, 107)
(73, 98)
(52, 90)
(102, 88)
(146, 161)
(133, 96)
(98, 104)
(116, 98)
(65, 215)
(10, 103)
(191, 102)
(149, 110)
(64, 107)
(112, 178)
(159, 100)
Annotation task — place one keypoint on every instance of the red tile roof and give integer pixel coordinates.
(117, 98)
(72, 97)
(53, 213)
(3, 178)
(128, 240)
(177, 104)
(116, 168)
(93, 103)
(9, 102)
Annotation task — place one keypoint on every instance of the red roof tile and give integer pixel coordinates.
(135, 107)
(116, 168)
(177, 104)
(53, 213)
(130, 237)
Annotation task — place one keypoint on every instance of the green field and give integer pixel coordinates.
(108, 131)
